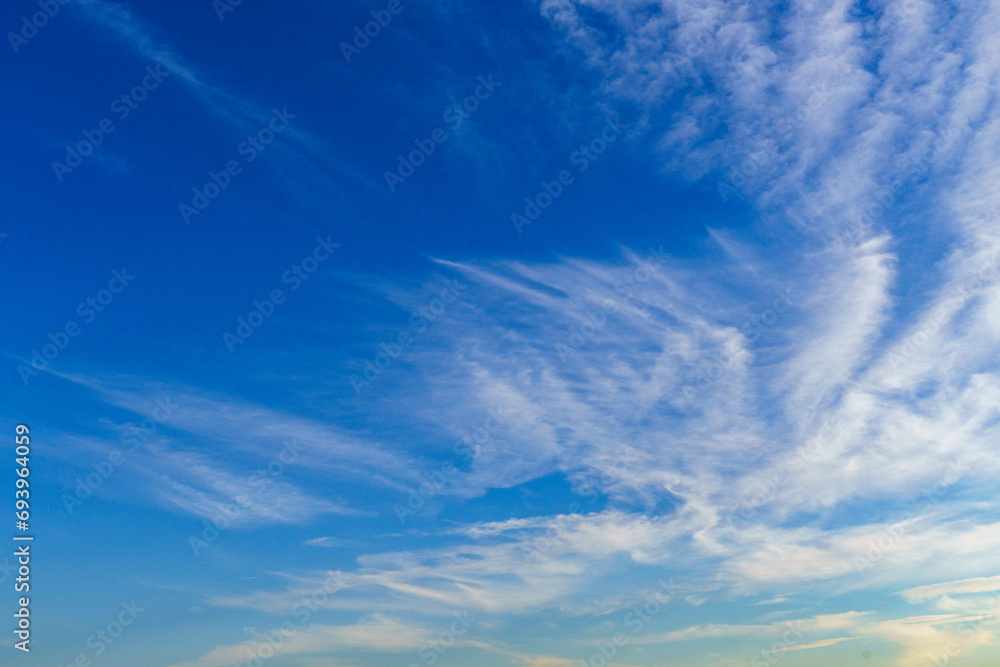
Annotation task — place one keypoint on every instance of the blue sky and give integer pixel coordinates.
(510, 334)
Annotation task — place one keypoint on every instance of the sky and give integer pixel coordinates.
(618, 333)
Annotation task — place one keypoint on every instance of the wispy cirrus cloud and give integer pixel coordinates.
(842, 130)
(376, 632)
(239, 110)
(973, 585)
(209, 453)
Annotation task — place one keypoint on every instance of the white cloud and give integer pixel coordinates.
(376, 632)
(947, 635)
(817, 644)
(843, 132)
(974, 585)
